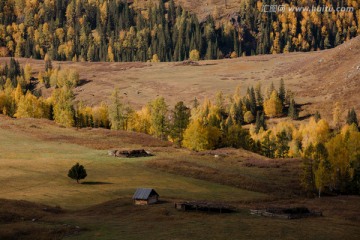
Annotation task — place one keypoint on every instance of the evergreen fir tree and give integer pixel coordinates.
(282, 91)
(352, 118)
(268, 146)
(260, 121)
(282, 147)
(292, 111)
(252, 99)
(181, 119)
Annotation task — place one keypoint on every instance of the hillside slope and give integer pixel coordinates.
(317, 78)
(333, 74)
(220, 9)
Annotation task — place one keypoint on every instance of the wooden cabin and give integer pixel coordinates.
(145, 196)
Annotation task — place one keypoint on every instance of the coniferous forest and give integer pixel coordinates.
(101, 30)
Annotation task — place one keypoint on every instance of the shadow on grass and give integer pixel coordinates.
(96, 183)
(305, 117)
(82, 82)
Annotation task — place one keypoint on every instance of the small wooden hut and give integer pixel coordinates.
(145, 196)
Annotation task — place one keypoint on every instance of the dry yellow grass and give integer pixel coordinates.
(318, 79)
(219, 9)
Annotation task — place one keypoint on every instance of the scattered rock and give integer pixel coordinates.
(112, 153)
(286, 213)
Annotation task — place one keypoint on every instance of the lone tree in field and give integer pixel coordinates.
(77, 172)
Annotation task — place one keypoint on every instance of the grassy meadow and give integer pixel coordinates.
(36, 170)
(35, 156)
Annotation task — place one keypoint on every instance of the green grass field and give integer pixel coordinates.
(35, 170)
(35, 156)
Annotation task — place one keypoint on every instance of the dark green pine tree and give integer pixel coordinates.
(293, 112)
(271, 89)
(308, 176)
(181, 119)
(171, 12)
(355, 182)
(282, 91)
(282, 145)
(268, 146)
(236, 44)
(252, 99)
(352, 118)
(209, 50)
(260, 121)
(239, 116)
(259, 96)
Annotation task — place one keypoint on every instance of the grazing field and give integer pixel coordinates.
(35, 169)
(36, 155)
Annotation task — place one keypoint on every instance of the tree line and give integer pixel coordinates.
(118, 31)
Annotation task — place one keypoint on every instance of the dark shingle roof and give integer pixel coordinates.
(144, 193)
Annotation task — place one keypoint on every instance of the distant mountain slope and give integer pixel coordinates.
(333, 74)
(203, 8)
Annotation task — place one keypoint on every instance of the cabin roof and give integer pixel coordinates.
(144, 193)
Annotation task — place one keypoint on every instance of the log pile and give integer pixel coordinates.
(129, 153)
(286, 213)
(204, 207)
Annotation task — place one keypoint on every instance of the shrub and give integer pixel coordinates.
(194, 55)
(77, 172)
